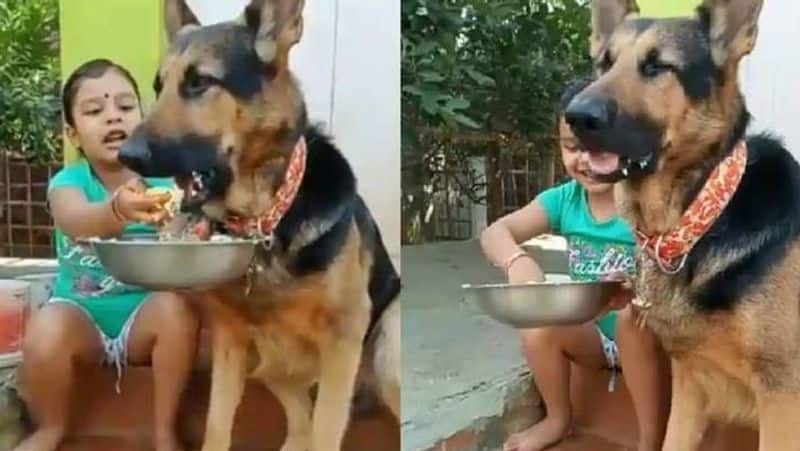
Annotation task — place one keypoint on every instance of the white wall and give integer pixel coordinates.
(769, 75)
(348, 63)
(366, 105)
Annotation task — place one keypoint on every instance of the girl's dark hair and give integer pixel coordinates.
(95, 68)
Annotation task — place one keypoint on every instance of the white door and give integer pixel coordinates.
(768, 75)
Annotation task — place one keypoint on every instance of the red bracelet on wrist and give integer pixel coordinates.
(115, 208)
(510, 260)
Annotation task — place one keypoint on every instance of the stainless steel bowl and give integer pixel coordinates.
(543, 304)
(144, 261)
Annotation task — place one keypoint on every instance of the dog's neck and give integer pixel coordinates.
(654, 204)
(279, 149)
(273, 175)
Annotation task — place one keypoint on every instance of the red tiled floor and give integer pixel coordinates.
(586, 442)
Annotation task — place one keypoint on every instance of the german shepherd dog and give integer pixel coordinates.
(321, 302)
(664, 111)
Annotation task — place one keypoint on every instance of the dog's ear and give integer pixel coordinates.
(177, 15)
(732, 27)
(277, 25)
(606, 17)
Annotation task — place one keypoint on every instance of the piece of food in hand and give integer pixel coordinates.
(175, 225)
(170, 198)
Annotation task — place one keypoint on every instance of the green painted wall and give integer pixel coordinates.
(128, 32)
(667, 8)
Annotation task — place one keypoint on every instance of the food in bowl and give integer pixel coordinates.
(186, 227)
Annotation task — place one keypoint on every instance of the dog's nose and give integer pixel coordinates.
(590, 114)
(135, 153)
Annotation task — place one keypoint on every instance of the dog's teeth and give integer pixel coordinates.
(197, 181)
(625, 172)
(643, 163)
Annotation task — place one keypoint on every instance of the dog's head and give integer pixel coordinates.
(666, 95)
(228, 111)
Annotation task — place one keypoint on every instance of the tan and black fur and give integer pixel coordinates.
(321, 307)
(666, 99)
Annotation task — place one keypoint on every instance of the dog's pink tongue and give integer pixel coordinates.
(603, 163)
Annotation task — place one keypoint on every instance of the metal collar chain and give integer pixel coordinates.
(251, 272)
(267, 239)
(267, 242)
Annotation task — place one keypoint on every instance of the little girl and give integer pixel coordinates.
(600, 246)
(92, 317)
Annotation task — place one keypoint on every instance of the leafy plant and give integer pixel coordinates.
(485, 69)
(29, 79)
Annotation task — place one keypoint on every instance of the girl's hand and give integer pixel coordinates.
(131, 203)
(623, 295)
(524, 270)
(620, 299)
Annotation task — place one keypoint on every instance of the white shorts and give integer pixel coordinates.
(612, 357)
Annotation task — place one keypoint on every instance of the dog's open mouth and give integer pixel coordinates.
(196, 190)
(610, 167)
(191, 223)
(603, 163)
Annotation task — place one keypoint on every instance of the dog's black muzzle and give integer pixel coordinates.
(600, 126)
(192, 160)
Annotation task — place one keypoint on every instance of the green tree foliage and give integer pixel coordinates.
(484, 68)
(29, 79)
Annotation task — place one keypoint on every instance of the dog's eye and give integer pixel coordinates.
(195, 84)
(652, 67)
(198, 85)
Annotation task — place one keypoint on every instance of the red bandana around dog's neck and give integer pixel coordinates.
(671, 249)
(263, 227)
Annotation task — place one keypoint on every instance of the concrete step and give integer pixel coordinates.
(603, 421)
(126, 419)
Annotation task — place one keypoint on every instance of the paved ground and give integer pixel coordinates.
(459, 366)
